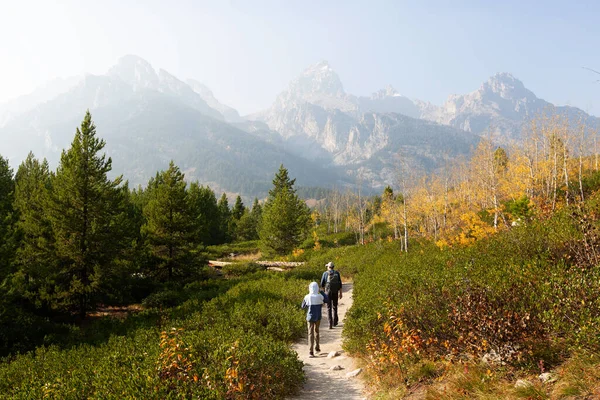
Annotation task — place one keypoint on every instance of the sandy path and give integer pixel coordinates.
(321, 382)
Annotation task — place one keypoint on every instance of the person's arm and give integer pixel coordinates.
(323, 279)
(325, 297)
(341, 285)
(304, 305)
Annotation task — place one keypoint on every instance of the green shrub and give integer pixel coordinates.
(234, 346)
(166, 298)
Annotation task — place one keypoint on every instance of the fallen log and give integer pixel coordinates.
(278, 264)
(288, 264)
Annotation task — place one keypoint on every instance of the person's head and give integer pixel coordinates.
(313, 288)
(329, 265)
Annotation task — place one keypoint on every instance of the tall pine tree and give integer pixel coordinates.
(36, 261)
(238, 209)
(84, 208)
(249, 224)
(7, 218)
(204, 214)
(168, 226)
(225, 219)
(285, 217)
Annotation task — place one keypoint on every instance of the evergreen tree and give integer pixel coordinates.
(225, 219)
(281, 181)
(7, 218)
(237, 212)
(285, 217)
(204, 214)
(256, 218)
(85, 209)
(36, 253)
(168, 227)
(119, 284)
(256, 209)
(249, 224)
(245, 228)
(238, 209)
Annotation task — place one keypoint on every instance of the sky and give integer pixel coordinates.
(247, 51)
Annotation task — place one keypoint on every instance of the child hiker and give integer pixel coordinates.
(313, 301)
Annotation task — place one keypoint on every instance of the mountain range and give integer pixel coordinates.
(323, 135)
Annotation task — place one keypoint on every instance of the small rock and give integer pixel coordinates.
(491, 358)
(354, 373)
(336, 368)
(333, 354)
(522, 384)
(548, 377)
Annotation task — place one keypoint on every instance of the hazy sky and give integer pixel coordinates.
(247, 51)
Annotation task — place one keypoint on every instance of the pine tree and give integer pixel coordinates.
(282, 180)
(249, 224)
(256, 218)
(84, 210)
(36, 253)
(225, 219)
(238, 209)
(204, 214)
(245, 228)
(285, 217)
(7, 218)
(256, 209)
(168, 226)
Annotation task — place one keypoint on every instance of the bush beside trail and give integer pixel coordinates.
(234, 346)
(519, 301)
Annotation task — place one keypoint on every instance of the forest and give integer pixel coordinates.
(466, 281)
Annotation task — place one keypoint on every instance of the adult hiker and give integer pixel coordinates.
(313, 301)
(331, 282)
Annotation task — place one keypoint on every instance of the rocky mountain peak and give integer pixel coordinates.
(506, 86)
(319, 78)
(388, 91)
(136, 72)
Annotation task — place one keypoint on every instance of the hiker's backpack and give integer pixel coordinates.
(334, 283)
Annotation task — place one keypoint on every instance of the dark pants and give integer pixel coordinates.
(332, 305)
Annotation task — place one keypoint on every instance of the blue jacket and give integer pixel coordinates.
(313, 301)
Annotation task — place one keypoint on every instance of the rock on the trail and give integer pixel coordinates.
(333, 354)
(336, 368)
(354, 373)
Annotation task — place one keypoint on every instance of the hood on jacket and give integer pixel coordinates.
(313, 288)
(313, 298)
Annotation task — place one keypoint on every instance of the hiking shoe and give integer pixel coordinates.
(330, 326)
(318, 349)
(311, 354)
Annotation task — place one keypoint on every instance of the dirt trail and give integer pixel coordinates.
(321, 381)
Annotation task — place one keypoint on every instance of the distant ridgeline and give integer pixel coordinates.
(325, 136)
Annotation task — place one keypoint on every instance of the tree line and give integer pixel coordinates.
(469, 199)
(72, 239)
